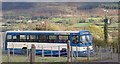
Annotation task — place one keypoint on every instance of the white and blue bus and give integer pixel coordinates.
(50, 41)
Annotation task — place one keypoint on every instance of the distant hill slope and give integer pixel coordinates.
(16, 5)
(40, 8)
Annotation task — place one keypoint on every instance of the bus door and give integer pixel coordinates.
(74, 39)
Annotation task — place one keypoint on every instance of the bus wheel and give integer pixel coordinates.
(24, 50)
(63, 51)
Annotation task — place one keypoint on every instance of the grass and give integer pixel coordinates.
(63, 19)
(22, 58)
(80, 25)
(15, 58)
(94, 18)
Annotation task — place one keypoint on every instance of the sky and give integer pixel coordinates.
(60, 0)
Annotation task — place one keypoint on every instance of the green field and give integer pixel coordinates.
(94, 18)
(80, 25)
(64, 19)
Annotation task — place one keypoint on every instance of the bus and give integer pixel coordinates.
(52, 42)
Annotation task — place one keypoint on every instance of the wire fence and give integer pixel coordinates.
(100, 53)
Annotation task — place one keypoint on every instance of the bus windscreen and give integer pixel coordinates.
(85, 39)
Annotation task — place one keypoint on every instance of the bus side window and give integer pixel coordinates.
(75, 39)
(52, 39)
(63, 39)
(14, 38)
(22, 38)
(9, 38)
(32, 38)
(42, 38)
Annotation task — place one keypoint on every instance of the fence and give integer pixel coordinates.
(99, 54)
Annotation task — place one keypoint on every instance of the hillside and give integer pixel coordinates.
(56, 9)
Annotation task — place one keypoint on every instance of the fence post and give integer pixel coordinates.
(100, 51)
(42, 52)
(51, 51)
(27, 51)
(71, 54)
(59, 50)
(88, 53)
(96, 52)
(118, 51)
(32, 56)
(76, 52)
(68, 51)
(111, 52)
(13, 49)
(115, 50)
(8, 55)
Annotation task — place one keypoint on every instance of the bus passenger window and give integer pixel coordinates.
(32, 38)
(75, 39)
(14, 38)
(63, 39)
(42, 38)
(52, 39)
(27, 36)
(9, 38)
(22, 38)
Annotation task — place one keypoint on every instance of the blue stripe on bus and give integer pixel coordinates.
(54, 52)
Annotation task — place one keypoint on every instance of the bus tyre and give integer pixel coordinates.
(63, 51)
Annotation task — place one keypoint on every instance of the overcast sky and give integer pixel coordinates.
(60, 0)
